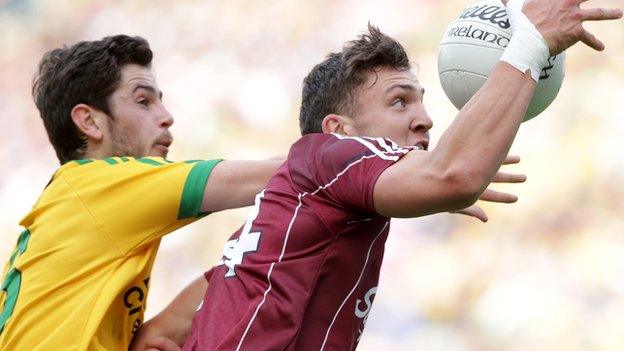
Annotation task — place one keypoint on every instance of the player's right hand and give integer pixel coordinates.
(561, 22)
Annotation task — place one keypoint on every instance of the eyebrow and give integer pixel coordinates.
(409, 87)
(150, 89)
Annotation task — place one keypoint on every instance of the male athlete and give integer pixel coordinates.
(79, 276)
(302, 273)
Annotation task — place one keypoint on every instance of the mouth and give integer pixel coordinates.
(164, 143)
(422, 145)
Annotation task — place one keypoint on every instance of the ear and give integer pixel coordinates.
(86, 119)
(338, 124)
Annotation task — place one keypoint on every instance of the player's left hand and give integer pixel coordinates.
(496, 196)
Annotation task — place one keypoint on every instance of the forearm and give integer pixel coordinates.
(479, 139)
(174, 322)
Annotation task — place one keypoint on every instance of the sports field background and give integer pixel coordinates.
(544, 274)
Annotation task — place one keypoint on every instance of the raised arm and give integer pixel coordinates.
(453, 175)
(459, 169)
(235, 184)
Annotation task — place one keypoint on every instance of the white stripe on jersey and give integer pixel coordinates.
(388, 145)
(301, 196)
(382, 143)
(370, 146)
(353, 289)
(394, 147)
(339, 174)
(240, 343)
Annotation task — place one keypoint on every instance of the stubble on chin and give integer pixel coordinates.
(124, 144)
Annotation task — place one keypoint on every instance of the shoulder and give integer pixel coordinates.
(339, 151)
(321, 157)
(382, 148)
(127, 164)
(115, 169)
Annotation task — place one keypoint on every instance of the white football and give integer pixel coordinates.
(471, 47)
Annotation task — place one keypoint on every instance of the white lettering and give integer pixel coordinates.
(363, 313)
(247, 241)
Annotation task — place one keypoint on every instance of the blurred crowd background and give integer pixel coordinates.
(546, 273)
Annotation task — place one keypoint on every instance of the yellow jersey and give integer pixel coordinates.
(79, 276)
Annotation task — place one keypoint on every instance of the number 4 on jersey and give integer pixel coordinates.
(247, 241)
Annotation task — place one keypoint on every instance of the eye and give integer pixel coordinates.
(400, 102)
(143, 102)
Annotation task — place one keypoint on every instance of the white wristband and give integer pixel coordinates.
(527, 49)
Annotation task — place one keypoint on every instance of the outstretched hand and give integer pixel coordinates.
(561, 22)
(496, 196)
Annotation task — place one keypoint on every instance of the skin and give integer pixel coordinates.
(390, 104)
(139, 122)
(561, 22)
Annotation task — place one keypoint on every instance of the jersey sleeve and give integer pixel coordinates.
(135, 201)
(345, 169)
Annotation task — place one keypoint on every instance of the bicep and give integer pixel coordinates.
(417, 185)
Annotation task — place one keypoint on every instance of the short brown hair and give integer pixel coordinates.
(85, 73)
(332, 85)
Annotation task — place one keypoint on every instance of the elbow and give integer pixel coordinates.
(465, 186)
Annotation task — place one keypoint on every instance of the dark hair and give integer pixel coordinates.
(85, 73)
(332, 85)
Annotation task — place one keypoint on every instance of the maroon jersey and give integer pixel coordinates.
(301, 274)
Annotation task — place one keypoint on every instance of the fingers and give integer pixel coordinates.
(590, 40)
(477, 212)
(511, 159)
(502, 177)
(474, 211)
(600, 14)
(497, 196)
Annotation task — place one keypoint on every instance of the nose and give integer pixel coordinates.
(421, 122)
(166, 120)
